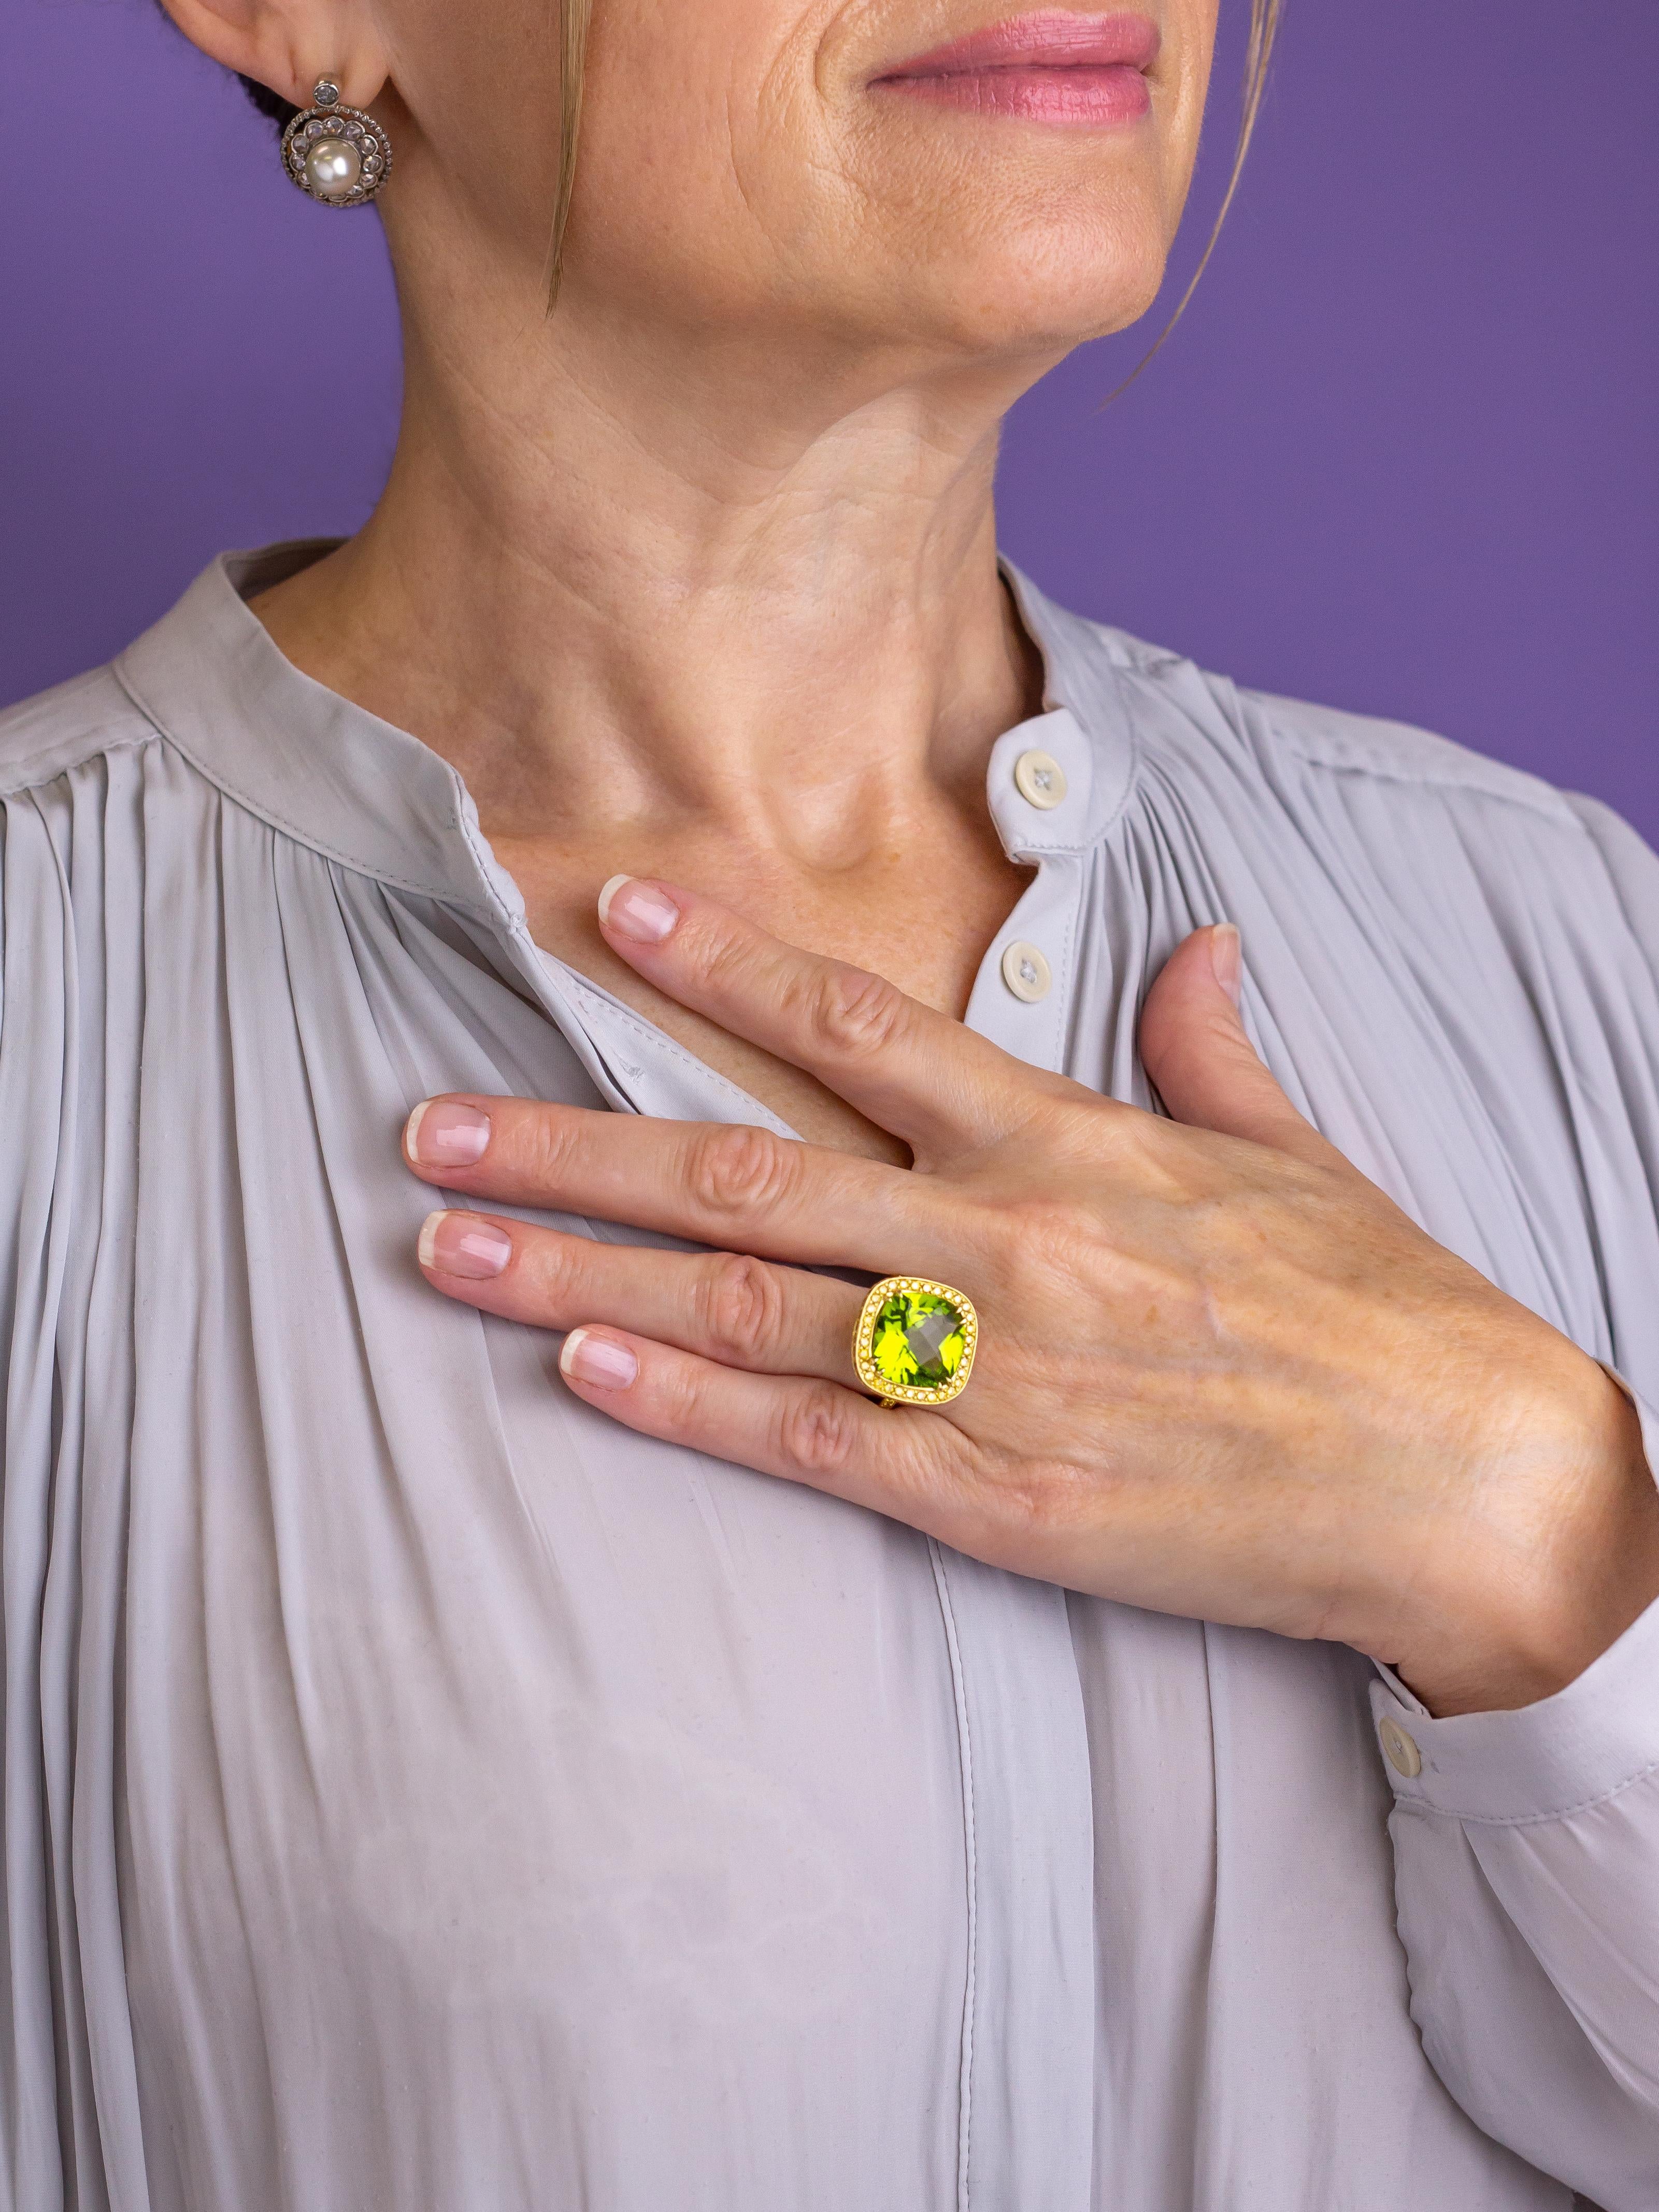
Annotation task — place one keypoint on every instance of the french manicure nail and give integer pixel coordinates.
(460, 1244)
(440, 1133)
(1227, 959)
(598, 1360)
(630, 908)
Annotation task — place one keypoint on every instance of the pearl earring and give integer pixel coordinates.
(338, 155)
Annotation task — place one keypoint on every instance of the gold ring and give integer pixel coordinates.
(914, 1342)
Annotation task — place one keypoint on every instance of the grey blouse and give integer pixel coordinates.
(422, 1795)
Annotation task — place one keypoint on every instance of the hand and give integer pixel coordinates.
(1219, 1373)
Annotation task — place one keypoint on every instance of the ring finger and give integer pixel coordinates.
(722, 1305)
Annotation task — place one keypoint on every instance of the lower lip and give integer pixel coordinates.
(1082, 95)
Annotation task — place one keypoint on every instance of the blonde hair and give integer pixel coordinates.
(1266, 16)
(574, 16)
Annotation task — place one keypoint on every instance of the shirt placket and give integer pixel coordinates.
(1027, 2081)
(1040, 786)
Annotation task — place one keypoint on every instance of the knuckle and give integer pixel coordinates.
(742, 1309)
(679, 1391)
(1045, 1223)
(1047, 1243)
(719, 954)
(740, 1171)
(819, 1429)
(1043, 1503)
(545, 1145)
(554, 1269)
(854, 1015)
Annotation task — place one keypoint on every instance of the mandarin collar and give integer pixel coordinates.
(210, 678)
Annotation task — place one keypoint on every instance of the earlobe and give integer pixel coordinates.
(289, 45)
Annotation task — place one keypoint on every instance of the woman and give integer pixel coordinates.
(1204, 1755)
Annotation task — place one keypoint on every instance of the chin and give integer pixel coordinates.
(1065, 299)
(1039, 236)
(1037, 286)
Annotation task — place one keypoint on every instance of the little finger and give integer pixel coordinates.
(914, 1466)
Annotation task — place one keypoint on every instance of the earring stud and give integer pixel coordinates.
(338, 155)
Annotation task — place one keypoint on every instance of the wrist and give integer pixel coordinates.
(1561, 1556)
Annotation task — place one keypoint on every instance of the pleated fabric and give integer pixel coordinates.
(420, 1794)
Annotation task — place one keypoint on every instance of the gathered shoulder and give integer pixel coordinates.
(1331, 738)
(1197, 721)
(44, 737)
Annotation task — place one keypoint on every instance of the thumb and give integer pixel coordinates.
(1206, 1070)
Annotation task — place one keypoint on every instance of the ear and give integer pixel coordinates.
(289, 45)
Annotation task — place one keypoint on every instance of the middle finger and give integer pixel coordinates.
(717, 1183)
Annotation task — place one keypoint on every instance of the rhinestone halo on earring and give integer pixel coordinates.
(338, 155)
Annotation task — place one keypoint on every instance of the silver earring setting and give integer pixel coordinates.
(339, 155)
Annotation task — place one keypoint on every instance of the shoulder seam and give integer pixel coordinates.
(1549, 805)
(1483, 776)
(47, 766)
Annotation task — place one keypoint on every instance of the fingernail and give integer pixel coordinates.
(638, 910)
(1227, 959)
(461, 1244)
(438, 1134)
(598, 1360)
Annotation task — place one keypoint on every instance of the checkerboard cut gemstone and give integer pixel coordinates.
(918, 1340)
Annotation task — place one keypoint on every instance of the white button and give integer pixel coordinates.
(1025, 972)
(1040, 780)
(1403, 1754)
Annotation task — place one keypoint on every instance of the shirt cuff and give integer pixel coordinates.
(1542, 1762)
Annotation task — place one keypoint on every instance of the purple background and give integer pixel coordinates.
(1402, 456)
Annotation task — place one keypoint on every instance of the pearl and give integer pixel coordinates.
(333, 167)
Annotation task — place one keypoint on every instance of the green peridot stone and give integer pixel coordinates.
(918, 1340)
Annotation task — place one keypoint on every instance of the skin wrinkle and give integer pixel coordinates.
(678, 796)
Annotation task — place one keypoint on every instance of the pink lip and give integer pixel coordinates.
(1050, 67)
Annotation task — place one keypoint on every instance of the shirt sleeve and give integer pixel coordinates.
(1527, 1885)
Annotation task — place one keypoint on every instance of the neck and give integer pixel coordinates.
(612, 597)
(669, 628)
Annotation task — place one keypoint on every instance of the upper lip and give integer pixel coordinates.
(1052, 37)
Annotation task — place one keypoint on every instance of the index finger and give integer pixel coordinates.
(928, 1079)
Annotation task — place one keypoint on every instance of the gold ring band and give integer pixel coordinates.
(915, 1341)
